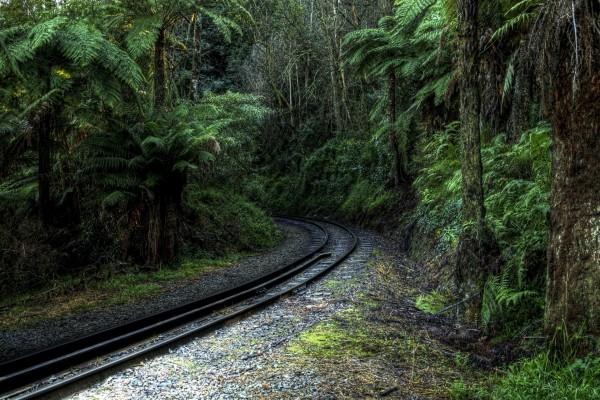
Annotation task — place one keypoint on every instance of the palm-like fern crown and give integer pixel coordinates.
(144, 157)
(414, 43)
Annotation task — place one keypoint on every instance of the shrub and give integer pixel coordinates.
(517, 187)
(224, 221)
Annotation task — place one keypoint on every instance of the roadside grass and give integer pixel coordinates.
(542, 377)
(107, 287)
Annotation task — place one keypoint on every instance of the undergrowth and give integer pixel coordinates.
(223, 221)
(545, 377)
(517, 187)
(343, 179)
(219, 227)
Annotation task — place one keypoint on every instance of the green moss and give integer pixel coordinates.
(331, 340)
(433, 302)
(332, 284)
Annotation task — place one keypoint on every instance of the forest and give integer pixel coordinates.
(138, 134)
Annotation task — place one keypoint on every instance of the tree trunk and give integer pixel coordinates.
(471, 272)
(160, 69)
(196, 56)
(335, 96)
(45, 166)
(397, 165)
(573, 295)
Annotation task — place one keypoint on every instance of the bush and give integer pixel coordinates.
(223, 221)
(517, 188)
(27, 260)
(343, 178)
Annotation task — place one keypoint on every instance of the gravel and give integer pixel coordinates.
(20, 341)
(247, 359)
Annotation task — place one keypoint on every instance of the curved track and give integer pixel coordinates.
(21, 378)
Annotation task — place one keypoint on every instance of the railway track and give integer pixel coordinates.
(50, 370)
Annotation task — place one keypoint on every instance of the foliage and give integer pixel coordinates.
(366, 199)
(344, 178)
(516, 179)
(544, 377)
(438, 186)
(225, 221)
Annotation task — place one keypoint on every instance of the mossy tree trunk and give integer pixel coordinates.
(573, 293)
(397, 164)
(160, 69)
(471, 269)
(44, 150)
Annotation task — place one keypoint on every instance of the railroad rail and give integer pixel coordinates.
(26, 377)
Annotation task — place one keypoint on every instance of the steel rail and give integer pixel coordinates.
(63, 356)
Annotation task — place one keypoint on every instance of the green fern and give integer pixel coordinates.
(143, 34)
(45, 32)
(409, 13)
(520, 18)
(499, 294)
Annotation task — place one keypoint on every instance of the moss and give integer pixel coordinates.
(332, 284)
(331, 340)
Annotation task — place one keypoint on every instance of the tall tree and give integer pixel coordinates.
(566, 38)
(471, 272)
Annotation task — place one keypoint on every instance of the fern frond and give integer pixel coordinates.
(225, 25)
(120, 64)
(115, 198)
(46, 31)
(143, 34)
(410, 12)
(79, 44)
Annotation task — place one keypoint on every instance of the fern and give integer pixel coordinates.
(499, 294)
(143, 34)
(14, 49)
(409, 13)
(118, 63)
(45, 32)
(226, 26)
(79, 43)
(520, 18)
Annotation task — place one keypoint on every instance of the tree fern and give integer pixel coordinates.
(224, 24)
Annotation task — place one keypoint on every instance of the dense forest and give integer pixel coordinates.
(135, 134)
